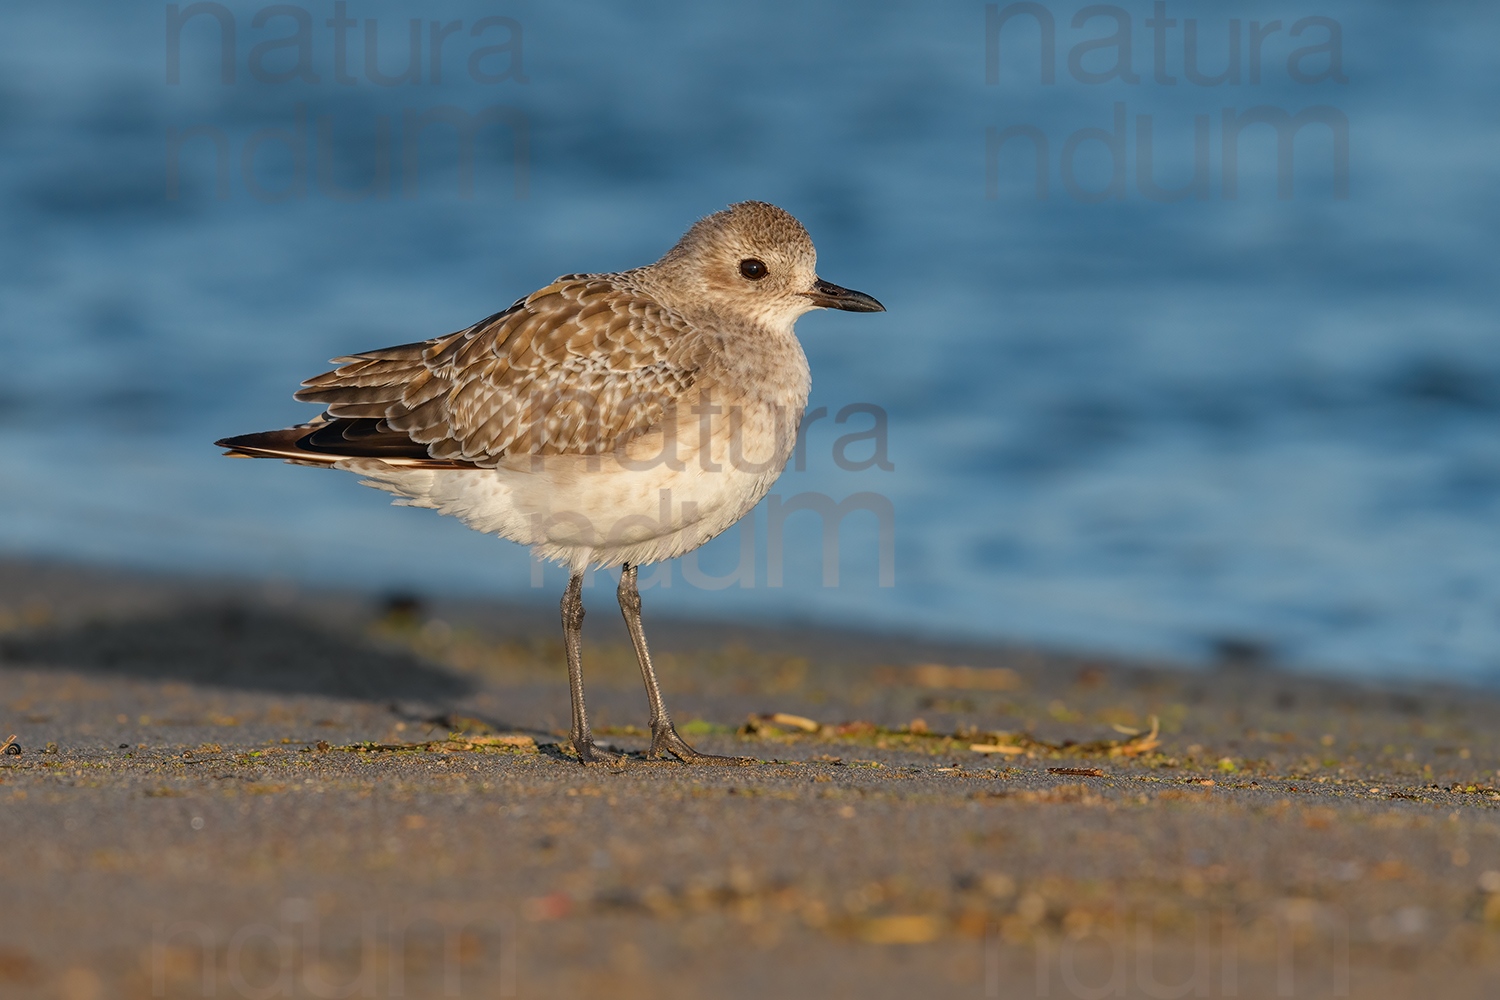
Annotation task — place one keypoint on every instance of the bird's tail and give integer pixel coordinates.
(286, 443)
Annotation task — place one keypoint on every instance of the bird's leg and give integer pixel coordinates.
(663, 734)
(572, 622)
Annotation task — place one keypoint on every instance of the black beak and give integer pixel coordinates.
(827, 295)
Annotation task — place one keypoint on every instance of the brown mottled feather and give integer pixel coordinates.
(580, 367)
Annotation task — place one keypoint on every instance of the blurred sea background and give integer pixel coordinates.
(1239, 422)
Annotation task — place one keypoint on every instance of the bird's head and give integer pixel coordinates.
(756, 261)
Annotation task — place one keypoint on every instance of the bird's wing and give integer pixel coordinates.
(577, 368)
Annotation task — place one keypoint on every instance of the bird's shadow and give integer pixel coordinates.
(248, 648)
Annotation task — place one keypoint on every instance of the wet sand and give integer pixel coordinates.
(229, 789)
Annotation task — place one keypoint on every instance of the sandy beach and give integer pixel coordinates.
(239, 789)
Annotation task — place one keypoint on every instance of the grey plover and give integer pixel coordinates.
(604, 420)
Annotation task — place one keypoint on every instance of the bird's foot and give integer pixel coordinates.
(664, 739)
(590, 752)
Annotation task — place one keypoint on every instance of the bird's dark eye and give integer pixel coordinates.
(753, 269)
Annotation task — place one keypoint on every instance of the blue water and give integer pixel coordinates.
(1127, 424)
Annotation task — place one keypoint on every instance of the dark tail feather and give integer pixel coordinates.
(332, 440)
(286, 443)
